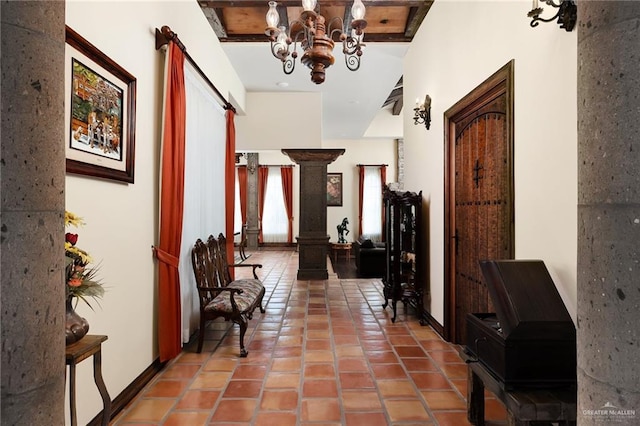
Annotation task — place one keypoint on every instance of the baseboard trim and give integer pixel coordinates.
(130, 392)
(437, 327)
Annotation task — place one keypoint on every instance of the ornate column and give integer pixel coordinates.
(252, 201)
(313, 240)
(32, 211)
(608, 212)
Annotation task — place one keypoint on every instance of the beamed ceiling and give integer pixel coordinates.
(388, 21)
(244, 20)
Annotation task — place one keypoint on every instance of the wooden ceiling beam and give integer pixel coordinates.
(369, 38)
(416, 16)
(397, 106)
(296, 3)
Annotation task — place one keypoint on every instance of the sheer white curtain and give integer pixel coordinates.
(237, 213)
(203, 185)
(372, 204)
(275, 223)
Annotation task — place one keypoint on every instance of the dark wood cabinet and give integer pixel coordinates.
(530, 340)
(404, 272)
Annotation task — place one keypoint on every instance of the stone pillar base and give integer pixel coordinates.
(313, 257)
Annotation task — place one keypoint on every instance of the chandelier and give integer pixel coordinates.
(316, 38)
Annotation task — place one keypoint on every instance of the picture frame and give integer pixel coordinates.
(334, 189)
(100, 111)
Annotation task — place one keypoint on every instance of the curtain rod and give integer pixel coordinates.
(164, 36)
(372, 165)
(269, 165)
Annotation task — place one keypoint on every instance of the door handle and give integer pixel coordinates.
(456, 239)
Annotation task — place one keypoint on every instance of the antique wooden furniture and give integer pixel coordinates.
(243, 242)
(220, 295)
(404, 273)
(336, 248)
(530, 341)
(524, 406)
(74, 354)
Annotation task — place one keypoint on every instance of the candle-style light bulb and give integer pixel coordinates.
(282, 37)
(273, 18)
(358, 9)
(309, 5)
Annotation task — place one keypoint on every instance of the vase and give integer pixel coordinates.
(76, 326)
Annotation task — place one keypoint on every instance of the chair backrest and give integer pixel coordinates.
(219, 259)
(204, 271)
(222, 252)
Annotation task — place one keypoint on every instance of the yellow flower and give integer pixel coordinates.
(80, 279)
(70, 219)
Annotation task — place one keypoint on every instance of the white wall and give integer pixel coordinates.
(275, 121)
(386, 125)
(459, 45)
(122, 220)
(360, 151)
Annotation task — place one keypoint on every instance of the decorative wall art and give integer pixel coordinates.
(100, 103)
(334, 189)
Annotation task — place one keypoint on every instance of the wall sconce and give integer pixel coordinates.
(422, 112)
(567, 14)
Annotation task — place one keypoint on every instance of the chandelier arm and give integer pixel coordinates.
(350, 46)
(288, 65)
(352, 62)
(279, 51)
(336, 25)
(305, 33)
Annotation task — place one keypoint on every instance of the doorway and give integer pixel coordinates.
(479, 196)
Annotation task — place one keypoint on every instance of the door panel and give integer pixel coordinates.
(479, 197)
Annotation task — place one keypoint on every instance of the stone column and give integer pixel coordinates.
(313, 240)
(252, 200)
(32, 211)
(608, 212)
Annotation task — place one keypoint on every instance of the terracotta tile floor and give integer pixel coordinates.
(324, 353)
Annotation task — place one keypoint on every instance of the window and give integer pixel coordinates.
(275, 223)
(371, 204)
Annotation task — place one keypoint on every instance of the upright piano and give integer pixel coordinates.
(530, 340)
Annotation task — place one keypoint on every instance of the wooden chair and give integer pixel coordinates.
(219, 295)
(243, 242)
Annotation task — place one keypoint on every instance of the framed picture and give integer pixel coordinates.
(334, 189)
(100, 111)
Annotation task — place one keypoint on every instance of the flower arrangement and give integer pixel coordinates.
(81, 279)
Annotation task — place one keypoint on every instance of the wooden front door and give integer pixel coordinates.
(479, 196)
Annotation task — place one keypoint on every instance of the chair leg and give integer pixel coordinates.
(260, 301)
(201, 333)
(242, 322)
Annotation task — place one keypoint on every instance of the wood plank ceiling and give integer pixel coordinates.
(388, 21)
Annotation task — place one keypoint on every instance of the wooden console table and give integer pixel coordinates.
(524, 406)
(78, 352)
(338, 247)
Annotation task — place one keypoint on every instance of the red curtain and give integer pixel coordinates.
(242, 183)
(171, 204)
(383, 182)
(230, 186)
(263, 175)
(287, 191)
(360, 194)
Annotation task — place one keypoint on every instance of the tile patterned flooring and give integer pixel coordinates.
(324, 353)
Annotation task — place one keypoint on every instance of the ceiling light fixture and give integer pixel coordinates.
(422, 112)
(316, 38)
(566, 17)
